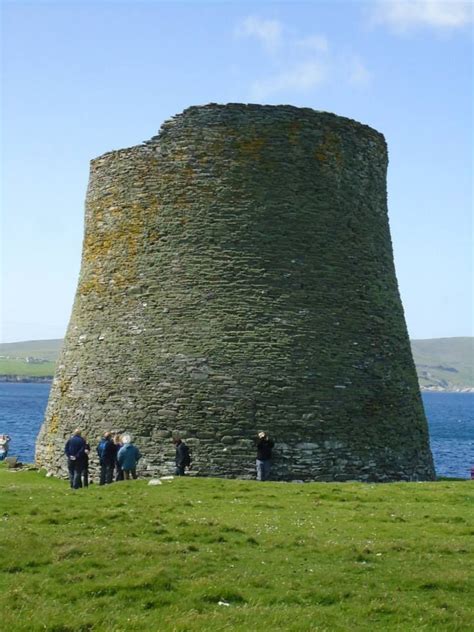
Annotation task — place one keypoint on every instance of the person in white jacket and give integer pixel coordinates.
(4, 445)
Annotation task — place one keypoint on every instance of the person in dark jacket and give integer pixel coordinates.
(107, 452)
(74, 451)
(183, 458)
(84, 465)
(128, 457)
(264, 456)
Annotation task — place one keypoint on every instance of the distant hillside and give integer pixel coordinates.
(44, 349)
(443, 364)
(30, 360)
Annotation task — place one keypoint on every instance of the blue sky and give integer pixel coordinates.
(83, 78)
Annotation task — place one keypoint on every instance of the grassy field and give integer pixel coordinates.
(24, 369)
(13, 357)
(210, 554)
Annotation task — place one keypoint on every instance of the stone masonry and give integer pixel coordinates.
(237, 275)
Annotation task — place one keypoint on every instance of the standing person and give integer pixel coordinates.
(74, 451)
(106, 451)
(183, 458)
(264, 456)
(118, 470)
(4, 445)
(128, 457)
(83, 465)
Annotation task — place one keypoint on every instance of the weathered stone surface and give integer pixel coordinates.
(237, 275)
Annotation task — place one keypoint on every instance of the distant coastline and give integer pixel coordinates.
(25, 379)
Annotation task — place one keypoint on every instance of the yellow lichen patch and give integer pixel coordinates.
(293, 132)
(252, 147)
(91, 284)
(329, 150)
(188, 172)
(53, 423)
(179, 155)
(96, 245)
(49, 451)
(64, 385)
(123, 234)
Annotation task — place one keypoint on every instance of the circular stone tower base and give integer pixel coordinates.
(237, 275)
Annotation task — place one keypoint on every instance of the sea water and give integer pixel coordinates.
(450, 418)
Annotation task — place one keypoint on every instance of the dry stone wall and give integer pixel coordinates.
(237, 275)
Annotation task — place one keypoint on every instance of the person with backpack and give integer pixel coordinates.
(128, 457)
(183, 458)
(106, 451)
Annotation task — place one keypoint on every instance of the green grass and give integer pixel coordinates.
(24, 369)
(283, 556)
(13, 358)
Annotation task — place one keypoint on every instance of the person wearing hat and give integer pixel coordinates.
(264, 456)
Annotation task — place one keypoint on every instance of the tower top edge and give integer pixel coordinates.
(215, 114)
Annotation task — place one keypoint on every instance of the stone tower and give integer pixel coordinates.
(237, 275)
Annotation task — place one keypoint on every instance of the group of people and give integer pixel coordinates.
(118, 458)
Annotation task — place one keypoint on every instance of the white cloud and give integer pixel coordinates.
(296, 63)
(315, 43)
(268, 32)
(301, 78)
(358, 73)
(403, 15)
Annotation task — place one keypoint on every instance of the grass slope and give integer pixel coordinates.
(24, 369)
(445, 362)
(44, 349)
(287, 557)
